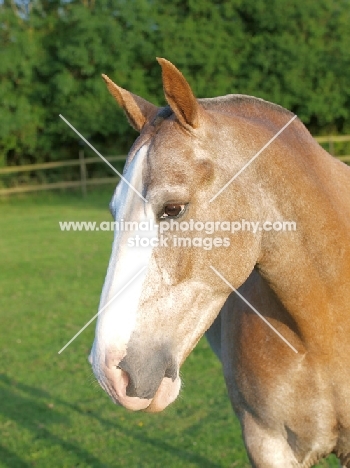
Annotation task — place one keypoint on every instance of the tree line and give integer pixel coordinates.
(52, 52)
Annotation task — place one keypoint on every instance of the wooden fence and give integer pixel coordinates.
(84, 181)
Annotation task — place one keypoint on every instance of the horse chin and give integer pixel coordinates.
(166, 394)
(131, 403)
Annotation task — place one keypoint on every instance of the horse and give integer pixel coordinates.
(201, 161)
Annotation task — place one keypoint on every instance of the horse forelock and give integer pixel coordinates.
(163, 114)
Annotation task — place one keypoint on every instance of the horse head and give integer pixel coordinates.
(160, 295)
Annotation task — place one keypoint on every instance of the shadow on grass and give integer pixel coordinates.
(11, 459)
(29, 412)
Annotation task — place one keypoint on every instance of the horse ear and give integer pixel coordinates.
(179, 95)
(138, 110)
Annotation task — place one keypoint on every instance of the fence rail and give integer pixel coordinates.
(335, 138)
(84, 181)
(53, 165)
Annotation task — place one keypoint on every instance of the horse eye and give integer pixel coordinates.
(173, 211)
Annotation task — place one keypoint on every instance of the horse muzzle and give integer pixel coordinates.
(140, 383)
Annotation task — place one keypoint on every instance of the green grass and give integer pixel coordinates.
(52, 413)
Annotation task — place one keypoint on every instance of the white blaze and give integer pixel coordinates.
(116, 323)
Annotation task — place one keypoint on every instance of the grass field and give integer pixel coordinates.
(52, 412)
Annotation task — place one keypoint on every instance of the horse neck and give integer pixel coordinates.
(308, 269)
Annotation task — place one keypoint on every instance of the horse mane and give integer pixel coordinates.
(234, 104)
(242, 104)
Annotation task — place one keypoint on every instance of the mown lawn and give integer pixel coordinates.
(52, 412)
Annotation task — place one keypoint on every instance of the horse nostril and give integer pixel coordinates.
(171, 371)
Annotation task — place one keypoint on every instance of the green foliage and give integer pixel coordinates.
(292, 52)
(297, 56)
(20, 115)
